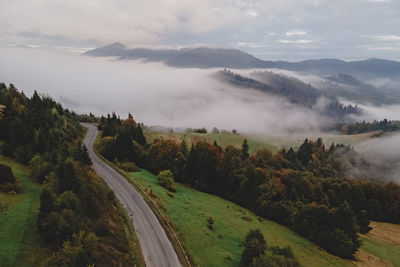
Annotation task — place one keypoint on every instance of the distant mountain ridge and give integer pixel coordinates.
(205, 57)
(200, 57)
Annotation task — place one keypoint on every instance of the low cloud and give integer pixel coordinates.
(154, 93)
(377, 159)
(295, 41)
(296, 32)
(387, 37)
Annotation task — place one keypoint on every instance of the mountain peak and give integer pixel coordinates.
(114, 49)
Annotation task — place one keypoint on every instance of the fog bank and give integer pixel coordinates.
(160, 95)
(377, 158)
(154, 93)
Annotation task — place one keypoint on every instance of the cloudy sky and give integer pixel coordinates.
(269, 29)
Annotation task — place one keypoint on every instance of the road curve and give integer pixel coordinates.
(156, 248)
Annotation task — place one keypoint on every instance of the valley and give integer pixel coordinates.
(199, 133)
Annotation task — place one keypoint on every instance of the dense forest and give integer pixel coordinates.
(305, 189)
(79, 223)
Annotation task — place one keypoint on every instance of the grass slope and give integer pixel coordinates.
(383, 241)
(273, 143)
(18, 238)
(189, 210)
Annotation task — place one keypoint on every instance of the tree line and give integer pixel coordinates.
(384, 125)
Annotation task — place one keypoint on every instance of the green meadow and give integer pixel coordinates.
(189, 209)
(19, 241)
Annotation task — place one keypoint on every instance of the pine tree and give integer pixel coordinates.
(85, 156)
(245, 150)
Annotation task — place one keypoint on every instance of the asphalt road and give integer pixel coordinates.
(156, 248)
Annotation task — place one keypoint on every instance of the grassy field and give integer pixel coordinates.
(383, 241)
(256, 142)
(18, 238)
(222, 246)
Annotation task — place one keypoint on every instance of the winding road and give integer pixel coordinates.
(156, 248)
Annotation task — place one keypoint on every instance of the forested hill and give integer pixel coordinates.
(79, 223)
(305, 189)
(292, 89)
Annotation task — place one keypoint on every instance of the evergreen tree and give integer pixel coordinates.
(245, 150)
(85, 159)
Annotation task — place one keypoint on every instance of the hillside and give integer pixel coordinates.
(293, 187)
(293, 90)
(351, 88)
(267, 82)
(189, 210)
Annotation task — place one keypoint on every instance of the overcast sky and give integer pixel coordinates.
(269, 29)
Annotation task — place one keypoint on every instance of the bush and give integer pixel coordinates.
(200, 130)
(255, 246)
(257, 254)
(7, 180)
(272, 259)
(40, 168)
(6, 175)
(2, 206)
(166, 179)
(210, 222)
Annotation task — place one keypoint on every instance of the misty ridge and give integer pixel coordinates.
(254, 101)
(192, 97)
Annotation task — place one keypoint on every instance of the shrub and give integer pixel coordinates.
(255, 246)
(40, 168)
(210, 222)
(7, 180)
(166, 179)
(257, 254)
(100, 228)
(200, 130)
